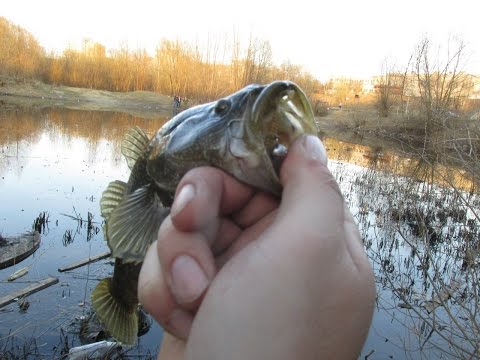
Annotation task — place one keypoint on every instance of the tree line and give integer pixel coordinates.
(20, 53)
(224, 65)
(176, 68)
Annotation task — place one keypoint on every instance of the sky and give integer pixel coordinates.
(348, 38)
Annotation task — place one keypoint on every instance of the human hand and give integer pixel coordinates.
(237, 274)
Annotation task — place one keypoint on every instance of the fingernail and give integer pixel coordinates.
(188, 281)
(186, 194)
(314, 149)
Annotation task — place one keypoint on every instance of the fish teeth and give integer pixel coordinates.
(288, 105)
(296, 126)
(288, 94)
(280, 150)
(295, 109)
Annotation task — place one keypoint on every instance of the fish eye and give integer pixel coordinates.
(222, 107)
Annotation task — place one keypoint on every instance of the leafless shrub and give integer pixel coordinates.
(436, 78)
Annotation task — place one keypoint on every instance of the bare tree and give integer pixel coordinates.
(257, 60)
(236, 64)
(441, 84)
(384, 87)
(121, 69)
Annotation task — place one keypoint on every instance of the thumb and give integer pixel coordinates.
(311, 196)
(306, 159)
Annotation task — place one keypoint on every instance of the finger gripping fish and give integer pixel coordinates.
(246, 134)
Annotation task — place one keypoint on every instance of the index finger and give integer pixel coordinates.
(205, 194)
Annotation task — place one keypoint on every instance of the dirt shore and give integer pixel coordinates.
(30, 94)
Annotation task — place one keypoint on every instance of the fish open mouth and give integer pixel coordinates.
(281, 113)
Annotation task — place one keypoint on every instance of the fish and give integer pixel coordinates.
(246, 134)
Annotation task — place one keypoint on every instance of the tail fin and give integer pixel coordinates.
(122, 323)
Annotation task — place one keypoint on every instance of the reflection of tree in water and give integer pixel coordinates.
(18, 130)
(376, 157)
(447, 155)
(338, 150)
(95, 126)
(17, 126)
(92, 125)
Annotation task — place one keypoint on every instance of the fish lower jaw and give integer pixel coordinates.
(257, 173)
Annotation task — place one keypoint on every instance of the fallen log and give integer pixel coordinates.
(18, 274)
(86, 261)
(30, 289)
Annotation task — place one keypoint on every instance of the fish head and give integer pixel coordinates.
(247, 134)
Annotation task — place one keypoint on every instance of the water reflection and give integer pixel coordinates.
(58, 163)
(423, 166)
(20, 129)
(422, 239)
(422, 236)
(67, 128)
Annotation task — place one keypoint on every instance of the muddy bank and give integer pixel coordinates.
(31, 95)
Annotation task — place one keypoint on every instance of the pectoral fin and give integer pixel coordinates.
(112, 197)
(133, 225)
(134, 145)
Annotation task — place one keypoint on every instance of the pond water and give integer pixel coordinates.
(58, 162)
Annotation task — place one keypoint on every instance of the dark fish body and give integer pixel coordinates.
(246, 134)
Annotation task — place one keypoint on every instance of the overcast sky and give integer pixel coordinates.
(329, 38)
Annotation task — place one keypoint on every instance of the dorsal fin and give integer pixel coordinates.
(111, 197)
(133, 225)
(134, 145)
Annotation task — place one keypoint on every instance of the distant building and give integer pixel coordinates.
(368, 86)
(344, 90)
(475, 93)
